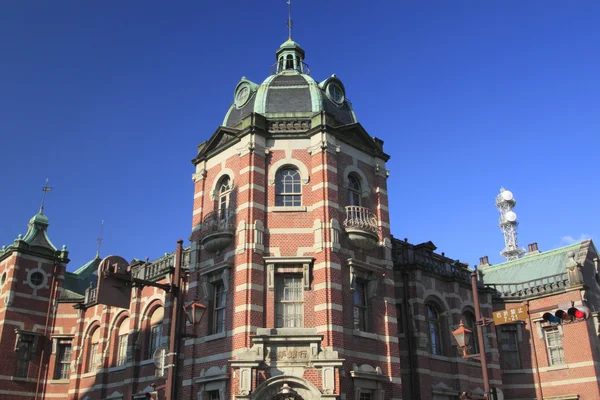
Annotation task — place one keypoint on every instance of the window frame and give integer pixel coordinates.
(502, 332)
(552, 361)
(282, 315)
(25, 350)
(219, 308)
(223, 197)
(360, 305)
(470, 322)
(62, 369)
(354, 190)
(434, 330)
(284, 198)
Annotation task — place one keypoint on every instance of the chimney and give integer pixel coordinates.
(484, 261)
(533, 248)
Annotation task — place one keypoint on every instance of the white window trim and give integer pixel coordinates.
(273, 263)
(302, 170)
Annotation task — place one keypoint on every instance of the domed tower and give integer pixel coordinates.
(291, 247)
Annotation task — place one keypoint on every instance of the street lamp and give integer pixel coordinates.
(195, 312)
(463, 337)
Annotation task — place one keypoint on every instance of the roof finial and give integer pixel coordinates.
(100, 239)
(289, 22)
(44, 189)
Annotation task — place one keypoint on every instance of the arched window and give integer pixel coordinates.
(156, 330)
(94, 355)
(435, 338)
(289, 64)
(224, 191)
(353, 191)
(287, 188)
(122, 340)
(469, 322)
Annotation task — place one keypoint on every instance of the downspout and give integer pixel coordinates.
(537, 368)
(43, 352)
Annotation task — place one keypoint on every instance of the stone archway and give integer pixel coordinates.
(301, 389)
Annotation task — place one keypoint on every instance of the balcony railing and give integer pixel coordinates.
(217, 221)
(362, 218)
(533, 287)
(157, 269)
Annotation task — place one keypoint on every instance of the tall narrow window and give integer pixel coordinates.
(433, 320)
(287, 188)
(224, 190)
(219, 304)
(509, 347)
(24, 354)
(469, 322)
(122, 340)
(289, 307)
(554, 345)
(156, 331)
(94, 354)
(353, 191)
(63, 360)
(360, 305)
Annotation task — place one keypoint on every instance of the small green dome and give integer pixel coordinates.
(39, 218)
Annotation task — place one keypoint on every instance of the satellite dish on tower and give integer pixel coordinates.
(507, 195)
(510, 216)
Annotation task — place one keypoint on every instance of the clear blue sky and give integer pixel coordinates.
(109, 99)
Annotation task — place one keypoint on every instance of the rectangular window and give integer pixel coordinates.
(63, 360)
(360, 305)
(94, 357)
(365, 396)
(214, 395)
(509, 347)
(289, 309)
(219, 304)
(24, 354)
(122, 350)
(556, 354)
(400, 323)
(155, 339)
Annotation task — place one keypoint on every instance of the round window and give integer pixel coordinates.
(36, 279)
(242, 95)
(3, 279)
(336, 93)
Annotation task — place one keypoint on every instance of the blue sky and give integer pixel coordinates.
(109, 100)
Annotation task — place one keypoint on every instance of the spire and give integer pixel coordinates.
(289, 22)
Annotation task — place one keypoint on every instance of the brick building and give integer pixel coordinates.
(308, 293)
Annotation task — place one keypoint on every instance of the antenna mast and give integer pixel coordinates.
(289, 22)
(100, 239)
(45, 189)
(505, 203)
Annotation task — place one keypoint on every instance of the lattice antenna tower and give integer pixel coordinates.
(505, 202)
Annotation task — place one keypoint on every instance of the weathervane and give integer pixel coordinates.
(289, 22)
(100, 239)
(45, 189)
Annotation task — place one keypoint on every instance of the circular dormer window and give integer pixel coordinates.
(335, 92)
(242, 95)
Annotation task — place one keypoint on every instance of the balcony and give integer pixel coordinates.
(362, 227)
(217, 230)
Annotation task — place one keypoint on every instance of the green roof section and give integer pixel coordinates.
(531, 266)
(78, 281)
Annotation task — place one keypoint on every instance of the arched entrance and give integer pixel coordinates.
(286, 388)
